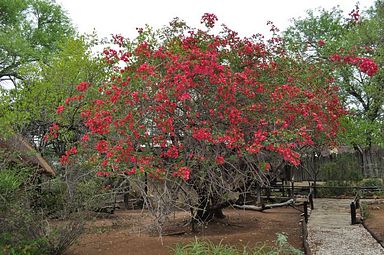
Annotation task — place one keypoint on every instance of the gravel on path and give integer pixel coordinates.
(330, 231)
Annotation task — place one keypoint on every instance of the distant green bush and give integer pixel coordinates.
(343, 167)
(371, 182)
(336, 189)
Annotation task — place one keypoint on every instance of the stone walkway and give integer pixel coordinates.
(330, 231)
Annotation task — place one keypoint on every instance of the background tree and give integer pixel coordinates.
(31, 30)
(322, 34)
(43, 58)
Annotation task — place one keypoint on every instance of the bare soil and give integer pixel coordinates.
(130, 232)
(375, 219)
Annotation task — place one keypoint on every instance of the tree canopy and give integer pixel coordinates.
(212, 114)
(30, 31)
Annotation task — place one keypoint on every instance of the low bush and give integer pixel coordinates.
(371, 182)
(25, 226)
(344, 167)
(336, 189)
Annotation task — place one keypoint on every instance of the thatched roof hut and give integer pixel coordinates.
(27, 153)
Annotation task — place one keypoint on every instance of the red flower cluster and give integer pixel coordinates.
(355, 14)
(60, 109)
(53, 132)
(64, 158)
(83, 86)
(321, 43)
(209, 20)
(365, 65)
(183, 172)
(368, 66)
(220, 160)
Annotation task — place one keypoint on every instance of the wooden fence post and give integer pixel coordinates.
(310, 198)
(358, 200)
(353, 213)
(306, 211)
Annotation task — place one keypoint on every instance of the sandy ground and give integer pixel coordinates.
(127, 232)
(375, 218)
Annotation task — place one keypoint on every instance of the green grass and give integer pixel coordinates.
(208, 248)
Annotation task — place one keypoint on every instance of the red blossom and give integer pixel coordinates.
(354, 14)
(335, 57)
(209, 20)
(185, 96)
(102, 146)
(85, 138)
(220, 160)
(83, 86)
(183, 172)
(201, 134)
(60, 109)
(321, 43)
(64, 159)
(172, 152)
(368, 66)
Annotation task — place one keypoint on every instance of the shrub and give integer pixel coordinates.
(24, 206)
(371, 182)
(336, 188)
(343, 167)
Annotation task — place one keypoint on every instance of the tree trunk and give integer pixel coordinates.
(208, 210)
(367, 162)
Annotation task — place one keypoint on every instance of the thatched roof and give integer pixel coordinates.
(28, 154)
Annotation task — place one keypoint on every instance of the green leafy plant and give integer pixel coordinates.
(209, 248)
(372, 182)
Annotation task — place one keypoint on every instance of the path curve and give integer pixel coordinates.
(330, 231)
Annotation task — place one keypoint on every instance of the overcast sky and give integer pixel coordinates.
(247, 17)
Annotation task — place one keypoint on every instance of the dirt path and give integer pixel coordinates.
(330, 231)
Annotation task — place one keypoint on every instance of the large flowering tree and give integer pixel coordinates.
(201, 114)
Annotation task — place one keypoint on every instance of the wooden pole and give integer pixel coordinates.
(310, 198)
(353, 213)
(306, 211)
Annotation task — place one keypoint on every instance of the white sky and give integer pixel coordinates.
(247, 17)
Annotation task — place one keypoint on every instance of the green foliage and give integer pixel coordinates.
(364, 210)
(9, 184)
(208, 248)
(372, 182)
(357, 128)
(343, 167)
(336, 189)
(24, 225)
(25, 231)
(30, 31)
